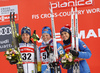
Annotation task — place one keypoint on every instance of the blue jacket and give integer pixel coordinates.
(84, 53)
(43, 54)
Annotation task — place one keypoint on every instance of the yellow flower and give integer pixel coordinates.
(10, 49)
(19, 62)
(6, 55)
(20, 59)
(66, 55)
(13, 55)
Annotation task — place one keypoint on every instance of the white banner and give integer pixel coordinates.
(7, 9)
(5, 12)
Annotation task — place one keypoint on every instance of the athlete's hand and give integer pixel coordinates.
(13, 61)
(48, 50)
(66, 66)
(53, 64)
(74, 53)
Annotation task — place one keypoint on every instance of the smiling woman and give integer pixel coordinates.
(46, 51)
(26, 37)
(26, 34)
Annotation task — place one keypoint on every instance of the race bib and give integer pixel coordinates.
(27, 57)
(27, 52)
(44, 56)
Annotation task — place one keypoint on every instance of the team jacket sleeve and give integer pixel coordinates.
(60, 49)
(38, 61)
(84, 50)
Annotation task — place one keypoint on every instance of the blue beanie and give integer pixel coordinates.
(66, 29)
(26, 30)
(46, 29)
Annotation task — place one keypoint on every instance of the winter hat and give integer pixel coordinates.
(46, 29)
(66, 29)
(26, 30)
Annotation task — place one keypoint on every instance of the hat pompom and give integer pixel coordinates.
(67, 26)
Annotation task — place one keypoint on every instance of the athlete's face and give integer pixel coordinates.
(46, 37)
(65, 35)
(26, 37)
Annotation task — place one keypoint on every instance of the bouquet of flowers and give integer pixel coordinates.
(12, 55)
(67, 60)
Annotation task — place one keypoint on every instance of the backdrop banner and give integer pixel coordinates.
(36, 14)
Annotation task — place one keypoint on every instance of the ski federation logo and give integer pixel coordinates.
(84, 45)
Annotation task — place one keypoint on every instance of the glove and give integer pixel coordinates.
(53, 64)
(13, 61)
(74, 53)
(66, 66)
(49, 50)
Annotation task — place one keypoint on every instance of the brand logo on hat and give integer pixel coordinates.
(45, 30)
(24, 31)
(67, 30)
(61, 30)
